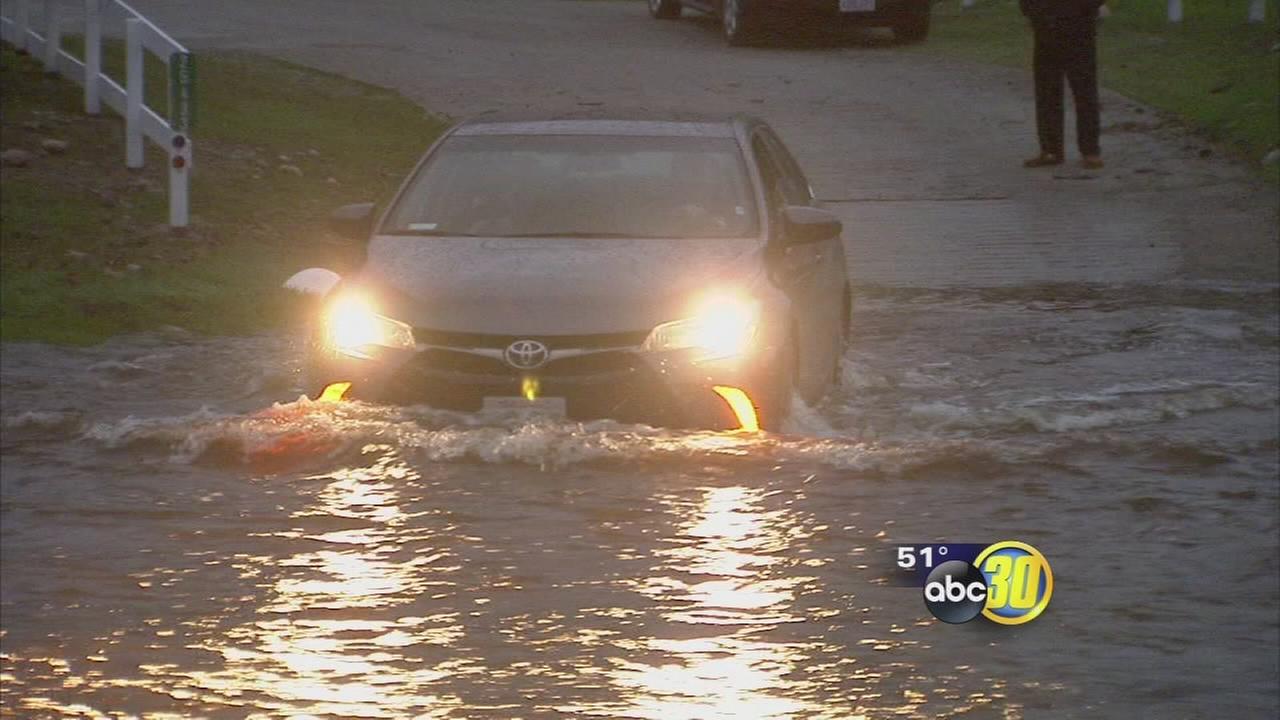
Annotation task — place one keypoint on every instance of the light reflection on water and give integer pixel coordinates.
(312, 654)
(726, 551)
(723, 577)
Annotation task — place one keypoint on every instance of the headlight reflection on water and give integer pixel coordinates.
(329, 640)
(726, 583)
(391, 592)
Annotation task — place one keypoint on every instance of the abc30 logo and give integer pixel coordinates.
(1009, 583)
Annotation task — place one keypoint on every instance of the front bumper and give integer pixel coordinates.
(625, 384)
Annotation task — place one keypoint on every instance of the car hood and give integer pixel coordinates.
(541, 286)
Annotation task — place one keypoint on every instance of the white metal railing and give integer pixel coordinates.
(171, 133)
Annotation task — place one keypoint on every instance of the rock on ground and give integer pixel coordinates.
(16, 157)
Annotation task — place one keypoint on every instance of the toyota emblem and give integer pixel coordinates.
(526, 354)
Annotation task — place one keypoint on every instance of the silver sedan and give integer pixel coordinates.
(673, 271)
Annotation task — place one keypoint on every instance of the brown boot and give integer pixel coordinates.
(1091, 162)
(1044, 159)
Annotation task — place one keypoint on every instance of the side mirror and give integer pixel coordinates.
(353, 221)
(313, 281)
(803, 224)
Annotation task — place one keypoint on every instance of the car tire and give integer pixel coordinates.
(912, 27)
(739, 23)
(846, 317)
(846, 335)
(665, 9)
(776, 408)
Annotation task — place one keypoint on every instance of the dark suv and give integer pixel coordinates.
(743, 21)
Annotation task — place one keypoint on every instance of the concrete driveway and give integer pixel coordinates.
(920, 155)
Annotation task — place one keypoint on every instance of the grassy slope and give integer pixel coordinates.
(253, 224)
(1213, 69)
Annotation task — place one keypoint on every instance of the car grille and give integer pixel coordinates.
(599, 357)
(597, 363)
(464, 362)
(602, 377)
(463, 340)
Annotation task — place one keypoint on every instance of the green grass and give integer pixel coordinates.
(1214, 70)
(65, 251)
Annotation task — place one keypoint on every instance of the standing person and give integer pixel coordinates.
(1065, 46)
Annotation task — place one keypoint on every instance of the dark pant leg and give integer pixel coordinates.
(1082, 74)
(1048, 70)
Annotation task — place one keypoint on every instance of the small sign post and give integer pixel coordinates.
(182, 116)
(182, 91)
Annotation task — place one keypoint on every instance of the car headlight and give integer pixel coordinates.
(351, 324)
(723, 325)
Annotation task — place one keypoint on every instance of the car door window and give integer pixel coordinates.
(793, 185)
(784, 183)
(771, 176)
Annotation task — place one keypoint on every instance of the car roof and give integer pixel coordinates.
(640, 124)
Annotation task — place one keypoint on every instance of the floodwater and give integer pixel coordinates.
(182, 537)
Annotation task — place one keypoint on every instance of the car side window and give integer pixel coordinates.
(775, 183)
(769, 173)
(794, 186)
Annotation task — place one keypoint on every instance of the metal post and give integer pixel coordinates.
(22, 20)
(168, 91)
(179, 183)
(1257, 11)
(1175, 11)
(182, 76)
(92, 56)
(52, 35)
(967, 3)
(133, 92)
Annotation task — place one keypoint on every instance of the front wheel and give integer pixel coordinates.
(774, 407)
(739, 22)
(665, 9)
(846, 334)
(912, 28)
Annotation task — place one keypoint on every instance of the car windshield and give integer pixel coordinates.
(579, 186)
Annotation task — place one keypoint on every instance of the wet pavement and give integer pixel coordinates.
(183, 537)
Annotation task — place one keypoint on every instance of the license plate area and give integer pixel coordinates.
(852, 6)
(543, 407)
